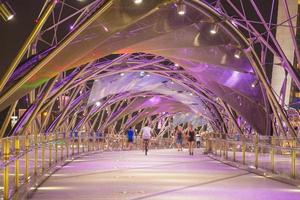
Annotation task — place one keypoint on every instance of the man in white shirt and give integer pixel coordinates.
(146, 135)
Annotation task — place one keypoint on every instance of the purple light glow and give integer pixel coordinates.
(154, 100)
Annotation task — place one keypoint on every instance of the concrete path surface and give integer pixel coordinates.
(163, 174)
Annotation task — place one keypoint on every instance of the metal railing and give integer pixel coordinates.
(274, 154)
(26, 160)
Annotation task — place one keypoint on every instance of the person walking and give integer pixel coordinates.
(198, 139)
(130, 138)
(179, 137)
(191, 139)
(146, 135)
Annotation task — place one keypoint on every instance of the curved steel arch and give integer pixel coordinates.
(205, 15)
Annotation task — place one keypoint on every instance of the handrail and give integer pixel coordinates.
(37, 155)
(254, 149)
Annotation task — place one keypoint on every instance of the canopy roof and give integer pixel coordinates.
(150, 50)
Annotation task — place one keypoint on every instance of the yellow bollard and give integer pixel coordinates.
(26, 158)
(6, 152)
(17, 165)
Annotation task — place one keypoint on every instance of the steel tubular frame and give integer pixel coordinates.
(67, 116)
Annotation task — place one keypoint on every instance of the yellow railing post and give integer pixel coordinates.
(61, 149)
(67, 142)
(50, 149)
(88, 142)
(43, 152)
(73, 147)
(272, 154)
(83, 143)
(26, 158)
(220, 147)
(94, 142)
(56, 147)
(99, 143)
(6, 152)
(36, 153)
(244, 150)
(226, 149)
(234, 152)
(293, 156)
(256, 151)
(17, 166)
(78, 144)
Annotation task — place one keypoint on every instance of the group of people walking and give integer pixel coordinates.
(191, 137)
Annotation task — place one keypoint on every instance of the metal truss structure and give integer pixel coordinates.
(205, 57)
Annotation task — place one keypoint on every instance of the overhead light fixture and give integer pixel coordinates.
(176, 65)
(181, 8)
(142, 73)
(148, 75)
(98, 103)
(105, 28)
(6, 12)
(214, 29)
(254, 84)
(237, 54)
(122, 74)
(138, 1)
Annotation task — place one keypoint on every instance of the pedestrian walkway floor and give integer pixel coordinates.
(163, 174)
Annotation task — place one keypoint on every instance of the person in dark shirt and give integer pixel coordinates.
(130, 136)
(179, 137)
(191, 138)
